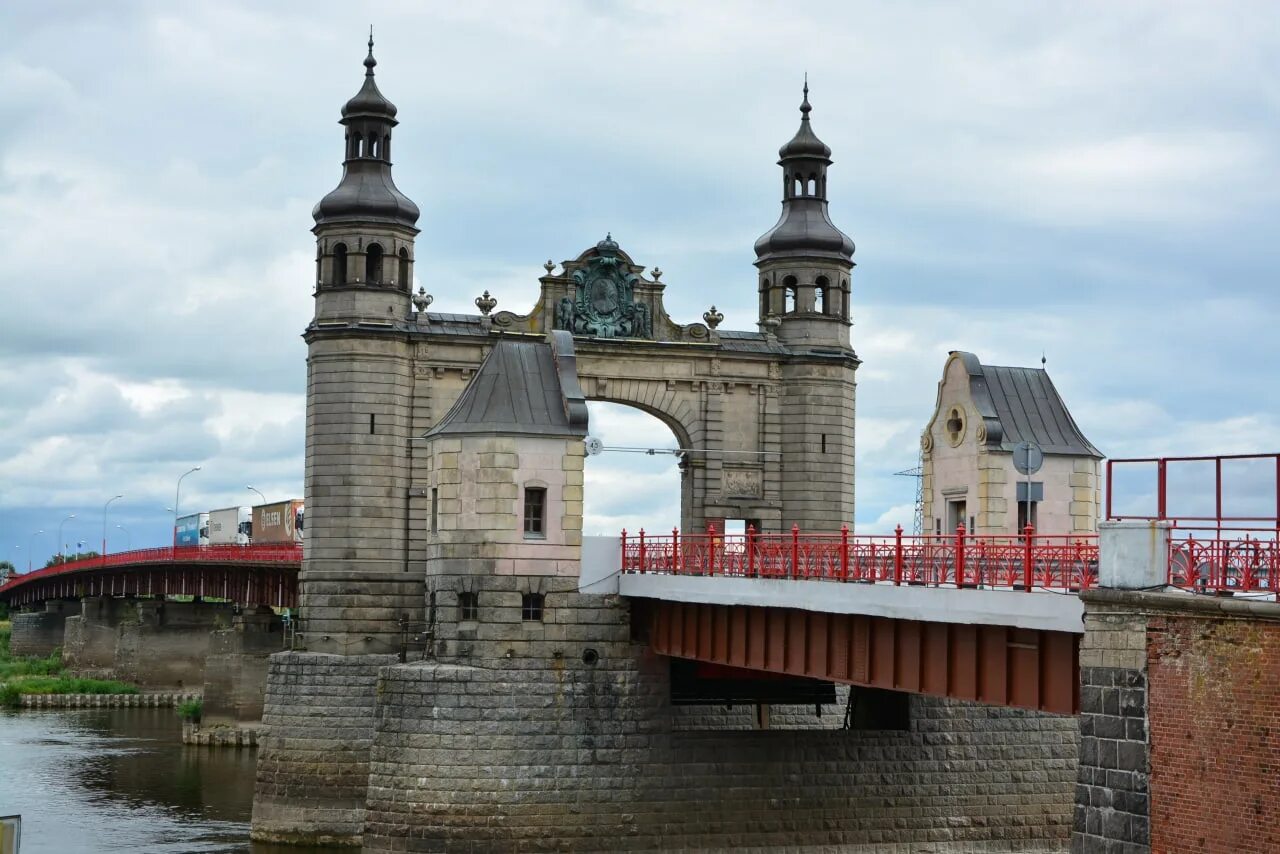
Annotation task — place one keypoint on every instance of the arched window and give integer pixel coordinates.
(373, 146)
(764, 298)
(373, 264)
(340, 264)
(811, 186)
(820, 291)
(405, 284)
(844, 299)
(386, 147)
(792, 292)
(799, 188)
(358, 148)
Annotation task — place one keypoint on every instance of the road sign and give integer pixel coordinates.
(1027, 457)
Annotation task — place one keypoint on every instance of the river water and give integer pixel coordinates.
(100, 780)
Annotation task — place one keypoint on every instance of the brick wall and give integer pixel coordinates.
(1215, 733)
(513, 738)
(1180, 703)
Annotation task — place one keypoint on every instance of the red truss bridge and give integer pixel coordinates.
(264, 574)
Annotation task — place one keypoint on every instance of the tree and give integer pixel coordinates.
(60, 559)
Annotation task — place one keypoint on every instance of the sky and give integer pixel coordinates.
(1094, 182)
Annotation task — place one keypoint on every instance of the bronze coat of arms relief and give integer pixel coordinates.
(604, 304)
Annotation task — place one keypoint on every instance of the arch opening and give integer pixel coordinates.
(340, 264)
(373, 264)
(625, 486)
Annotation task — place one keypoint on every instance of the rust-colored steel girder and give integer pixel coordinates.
(997, 665)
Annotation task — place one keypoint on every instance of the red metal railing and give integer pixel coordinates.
(1221, 551)
(267, 553)
(1026, 562)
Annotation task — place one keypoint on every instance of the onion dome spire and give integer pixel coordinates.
(805, 228)
(366, 191)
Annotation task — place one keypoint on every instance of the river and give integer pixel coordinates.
(98, 780)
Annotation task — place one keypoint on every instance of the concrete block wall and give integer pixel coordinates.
(560, 736)
(313, 762)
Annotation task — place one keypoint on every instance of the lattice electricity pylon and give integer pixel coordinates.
(917, 520)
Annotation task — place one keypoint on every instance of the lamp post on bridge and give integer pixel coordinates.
(61, 551)
(177, 492)
(32, 547)
(259, 491)
(128, 540)
(104, 523)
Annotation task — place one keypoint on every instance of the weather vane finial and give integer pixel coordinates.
(369, 61)
(804, 105)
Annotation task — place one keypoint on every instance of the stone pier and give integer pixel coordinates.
(39, 633)
(235, 669)
(153, 643)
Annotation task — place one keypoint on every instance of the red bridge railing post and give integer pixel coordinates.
(675, 550)
(643, 564)
(1026, 558)
(897, 555)
(711, 548)
(795, 551)
(844, 552)
(960, 555)
(751, 551)
(624, 566)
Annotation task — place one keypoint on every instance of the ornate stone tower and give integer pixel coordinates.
(359, 393)
(804, 260)
(805, 263)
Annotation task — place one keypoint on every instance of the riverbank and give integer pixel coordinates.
(22, 677)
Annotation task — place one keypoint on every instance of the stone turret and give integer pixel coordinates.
(804, 260)
(365, 226)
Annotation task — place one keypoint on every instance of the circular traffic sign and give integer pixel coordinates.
(1027, 457)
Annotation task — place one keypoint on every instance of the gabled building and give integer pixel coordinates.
(983, 412)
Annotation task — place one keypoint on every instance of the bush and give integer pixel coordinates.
(191, 710)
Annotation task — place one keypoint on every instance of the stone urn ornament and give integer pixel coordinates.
(486, 303)
(712, 318)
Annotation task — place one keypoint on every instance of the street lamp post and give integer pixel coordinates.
(128, 540)
(259, 491)
(31, 547)
(61, 553)
(176, 493)
(104, 525)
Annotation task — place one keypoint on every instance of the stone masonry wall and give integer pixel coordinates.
(1215, 721)
(313, 763)
(1112, 811)
(38, 633)
(558, 735)
(1180, 704)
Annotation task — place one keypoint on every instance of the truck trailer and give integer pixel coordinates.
(280, 522)
(230, 526)
(192, 530)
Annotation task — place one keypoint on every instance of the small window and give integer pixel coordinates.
(791, 294)
(531, 607)
(535, 512)
(1025, 519)
(821, 286)
(405, 284)
(435, 510)
(468, 606)
(373, 264)
(340, 264)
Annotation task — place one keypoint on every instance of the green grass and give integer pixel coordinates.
(20, 676)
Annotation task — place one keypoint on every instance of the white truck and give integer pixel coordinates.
(230, 526)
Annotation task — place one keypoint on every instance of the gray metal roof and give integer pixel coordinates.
(517, 390)
(1022, 405)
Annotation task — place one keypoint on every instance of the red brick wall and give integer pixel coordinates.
(1214, 718)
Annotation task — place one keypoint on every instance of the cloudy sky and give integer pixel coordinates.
(1097, 182)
